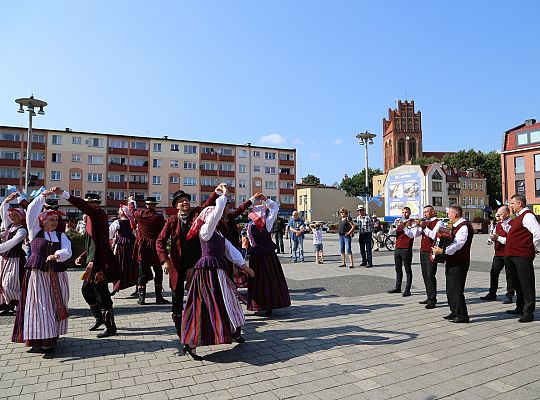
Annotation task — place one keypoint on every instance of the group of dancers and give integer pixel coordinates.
(199, 245)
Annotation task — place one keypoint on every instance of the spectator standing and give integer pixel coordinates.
(296, 234)
(365, 232)
(278, 230)
(346, 232)
(316, 230)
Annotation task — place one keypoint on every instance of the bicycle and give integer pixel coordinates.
(387, 240)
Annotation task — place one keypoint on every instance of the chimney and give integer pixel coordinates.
(68, 129)
(530, 121)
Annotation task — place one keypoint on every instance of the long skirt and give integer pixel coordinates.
(36, 322)
(212, 313)
(268, 288)
(126, 261)
(9, 279)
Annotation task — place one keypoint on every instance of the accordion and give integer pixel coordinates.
(443, 239)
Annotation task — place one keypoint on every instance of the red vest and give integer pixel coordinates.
(499, 247)
(519, 240)
(427, 243)
(402, 240)
(463, 255)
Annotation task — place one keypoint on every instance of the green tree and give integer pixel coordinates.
(425, 160)
(356, 185)
(311, 180)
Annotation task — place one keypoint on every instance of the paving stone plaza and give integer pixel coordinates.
(343, 337)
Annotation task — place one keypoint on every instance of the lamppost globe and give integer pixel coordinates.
(30, 103)
(365, 139)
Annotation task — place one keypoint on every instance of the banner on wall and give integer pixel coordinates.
(404, 190)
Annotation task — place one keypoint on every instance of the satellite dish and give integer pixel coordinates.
(219, 151)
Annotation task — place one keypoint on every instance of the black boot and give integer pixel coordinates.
(96, 311)
(177, 319)
(159, 295)
(110, 326)
(191, 352)
(142, 295)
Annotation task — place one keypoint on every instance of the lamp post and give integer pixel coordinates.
(30, 103)
(364, 139)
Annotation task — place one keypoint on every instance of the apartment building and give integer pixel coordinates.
(119, 166)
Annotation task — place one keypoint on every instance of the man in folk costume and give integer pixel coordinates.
(522, 245)
(12, 255)
(101, 265)
(149, 226)
(183, 254)
(457, 264)
(403, 253)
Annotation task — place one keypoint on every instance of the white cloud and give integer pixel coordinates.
(314, 155)
(338, 141)
(272, 139)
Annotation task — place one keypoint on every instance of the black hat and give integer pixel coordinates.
(177, 195)
(151, 200)
(51, 204)
(14, 205)
(92, 198)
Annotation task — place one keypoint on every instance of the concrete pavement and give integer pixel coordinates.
(343, 337)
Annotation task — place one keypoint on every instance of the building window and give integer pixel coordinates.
(436, 186)
(227, 152)
(156, 163)
(157, 147)
(95, 177)
(256, 168)
(11, 155)
(437, 201)
(481, 186)
(190, 165)
(190, 181)
(470, 185)
(537, 162)
(175, 163)
(537, 188)
(257, 183)
(242, 168)
(286, 199)
(270, 170)
(156, 180)
(76, 175)
(481, 201)
(519, 163)
(256, 153)
(209, 166)
(464, 185)
(118, 144)
(270, 185)
(56, 176)
(117, 195)
(76, 140)
(9, 173)
(76, 193)
(138, 162)
(37, 156)
(193, 198)
(138, 145)
(175, 147)
(207, 150)
(138, 179)
(75, 158)
(226, 167)
(95, 142)
(174, 179)
(56, 139)
(117, 178)
(117, 160)
(242, 153)
(242, 198)
(189, 149)
(242, 183)
(464, 201)
(95, 160)
(269, 155)
(204, 197)
(286, 156)
(38, 138)
(208, 181)
(475, 201)
(475, 185)
(470, 201)
(157, 195)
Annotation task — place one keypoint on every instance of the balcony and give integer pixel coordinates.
(226, 173)
(116, 185)
(12, 144)
(118, 167)
(287, 162)
(284, 206)
(454, 192)
(35, 163)
(40, 182)
(209, 172)
(138, 185)
(231, 189)
(288, 177)
(36, 145)
(9, 162)
(209, 156)
(138, 168)
(227, 158)
(207, 188)
(137, 152)
(286, 191)
(10, 181)
(114, 203)
(118, 150)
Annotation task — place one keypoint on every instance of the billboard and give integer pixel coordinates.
(404, 190)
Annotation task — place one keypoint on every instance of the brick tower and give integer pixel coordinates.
(402, 135)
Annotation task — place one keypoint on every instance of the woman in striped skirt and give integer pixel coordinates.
(268, 289)
(121, 234)
(12, 255)
(42, 312)
(213, 314)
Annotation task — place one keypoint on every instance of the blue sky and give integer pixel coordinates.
(304, 74)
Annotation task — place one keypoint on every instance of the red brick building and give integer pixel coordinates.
(520, 163)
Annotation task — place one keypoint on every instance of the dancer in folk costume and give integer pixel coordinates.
(100, 263)
(268, 290)
(12, 255)
(182, 254)
(149, 226)
(123, 242)
(42, 312)
(213, 314)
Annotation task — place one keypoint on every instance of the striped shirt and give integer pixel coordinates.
(365, 224)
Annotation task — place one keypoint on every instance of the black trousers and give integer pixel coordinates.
(97, 293)
(496, 268)
(145, 275)
(522, 272)
(177, 305)
(364, 239)
(456, 275)
(429, 272)
(278, 239)
(403, 257)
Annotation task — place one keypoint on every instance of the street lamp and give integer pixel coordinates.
(364, 139)
(30, 103)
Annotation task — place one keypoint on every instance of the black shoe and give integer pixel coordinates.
(49, 350)
(110, 326)
(268, 313)
(515, 312)
(96, 312)
(430, 306)
(396, 290)
(342, 266)
(189, 351)
(489, 297)
(527, 318)
(239, 339)
(508, 300)
(363, 264)
(406, 293)
(369, 266)
(426, 301)
(161, 300)
(135, 293)
(351, 266)
(35, 349)
(460, 320)
(450, 316)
